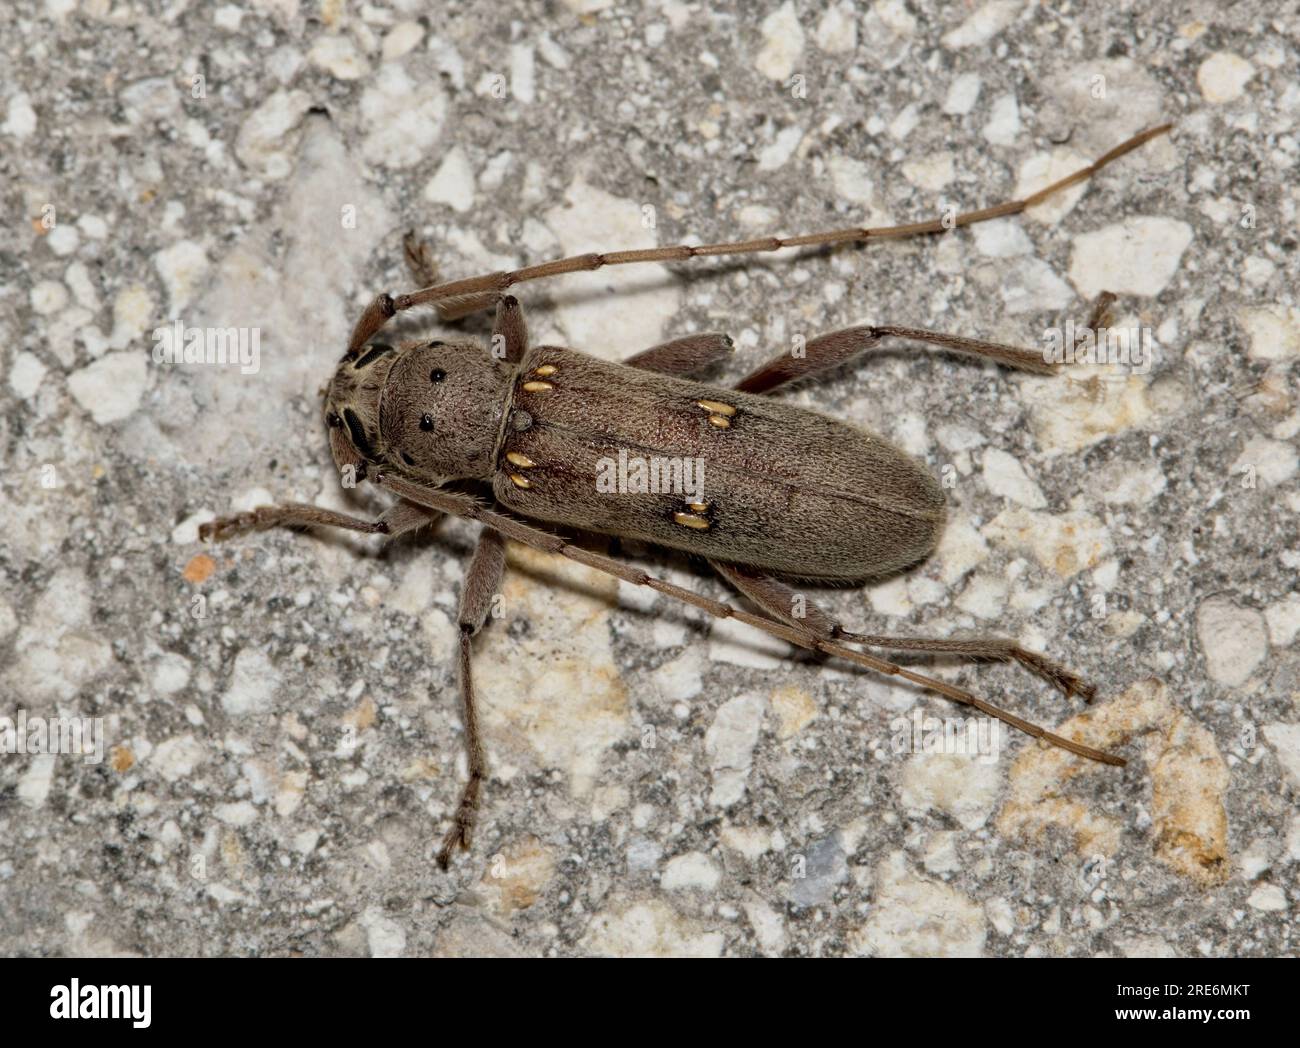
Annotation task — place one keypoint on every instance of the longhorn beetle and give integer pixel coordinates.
(514, 437)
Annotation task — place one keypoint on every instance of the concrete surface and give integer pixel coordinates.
(281, 741)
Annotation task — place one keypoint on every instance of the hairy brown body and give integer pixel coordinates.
(784, 489)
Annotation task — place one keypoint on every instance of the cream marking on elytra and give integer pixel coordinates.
(690, 520)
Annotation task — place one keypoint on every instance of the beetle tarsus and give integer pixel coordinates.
(1067, 682)
(460, 833)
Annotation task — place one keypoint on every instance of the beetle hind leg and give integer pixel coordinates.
(998, 649)
(779, 599)
(462, 505)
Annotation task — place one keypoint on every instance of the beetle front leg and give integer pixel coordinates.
(452, 301)
(779, 599)
(419, 259)
(424, 271)
(401, 518)
(509, 331)
(482, 580)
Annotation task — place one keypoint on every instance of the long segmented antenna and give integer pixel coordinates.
(481, 291)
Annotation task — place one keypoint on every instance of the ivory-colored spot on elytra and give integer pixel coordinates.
(716, 407)
(720, 422)
(520, 481)
(699, 507)
(538, 387)
(516, 458)
(690, 520)
(1188, 780)
(545, 369)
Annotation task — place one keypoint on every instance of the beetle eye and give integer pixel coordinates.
(437, 375)
(426, 423)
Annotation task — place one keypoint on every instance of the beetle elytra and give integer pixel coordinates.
(516, 437)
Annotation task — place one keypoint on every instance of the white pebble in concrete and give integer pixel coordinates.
(253, 684)
(729, 743)
(1136, 257)
(962, 95)
(782, 44)
(1006, 477)
(453, 183)
(1223, 77)
(1234, 639)
(692, 870)
(111, 387)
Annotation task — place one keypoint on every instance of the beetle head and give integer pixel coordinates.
(430, 410)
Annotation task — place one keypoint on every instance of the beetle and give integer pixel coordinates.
(516, 437)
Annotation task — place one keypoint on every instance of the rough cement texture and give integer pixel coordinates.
(282, 740)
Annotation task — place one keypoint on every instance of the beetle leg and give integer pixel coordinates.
(461, 505)
(779, 599)
(400, 518)
(683, 356)
(424, 271)
(482, 580)
(509, 331)
(452, 301)
(825, 352)
(419, 259)
(829, 351)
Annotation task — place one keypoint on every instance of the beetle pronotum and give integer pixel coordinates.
(793, 494)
